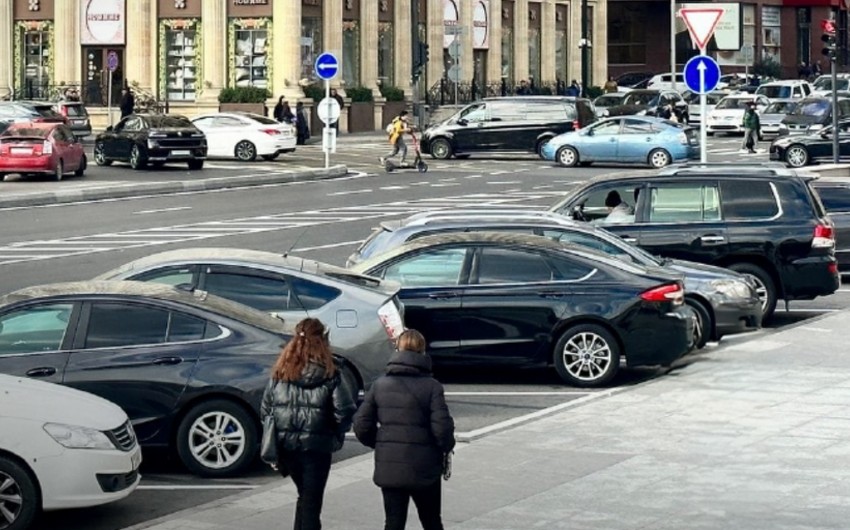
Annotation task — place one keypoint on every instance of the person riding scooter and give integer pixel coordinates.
(400, 127)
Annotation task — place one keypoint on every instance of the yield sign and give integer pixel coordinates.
(701, 23)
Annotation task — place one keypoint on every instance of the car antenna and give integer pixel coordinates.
(297, 239)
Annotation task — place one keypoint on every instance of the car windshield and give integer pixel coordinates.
(732, 103)
(775, 91)
(641, 98)
(825, 83)
(170, 121)
(817, 108)
(608, 101)
(780, 107)
(37, 132)
(76, 110)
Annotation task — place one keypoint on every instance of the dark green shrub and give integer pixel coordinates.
(244, 94)
(767, 67)
(392, 93)
(315, 92)
(359, 94)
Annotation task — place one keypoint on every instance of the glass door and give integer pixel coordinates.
(96, 76)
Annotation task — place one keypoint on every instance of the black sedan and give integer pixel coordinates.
(188, 368)
(649, 102)
(800, 151)
(484, 297)
(155, 139)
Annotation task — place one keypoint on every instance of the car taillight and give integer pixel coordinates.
(833, 268)
(824, 237)
(683, 138)
(270, 132)
(391, 319)
(46, 148)
(64, 110)
(670, 292)
(576, 125)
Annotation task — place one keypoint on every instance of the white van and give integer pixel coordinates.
(788, 89)
(664, 82)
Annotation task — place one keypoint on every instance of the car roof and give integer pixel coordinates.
(197, 298)
(785, 82)
(722, 170)
(235, 114)
(536, 99)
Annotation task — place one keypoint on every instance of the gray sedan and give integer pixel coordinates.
(362, 313)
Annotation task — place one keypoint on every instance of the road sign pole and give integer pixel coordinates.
(326, 132)
(457, 62)
(703, 131)
(109, 96)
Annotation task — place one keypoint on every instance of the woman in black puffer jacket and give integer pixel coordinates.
(404, 416)
(312, 410)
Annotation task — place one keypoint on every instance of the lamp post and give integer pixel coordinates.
(585, 48)
(673, 42)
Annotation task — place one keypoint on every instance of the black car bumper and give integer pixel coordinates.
(736, 317)
(167, 155)
(808, 278)
(655, 338)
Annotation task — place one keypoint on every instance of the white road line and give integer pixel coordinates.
(473, 177)
(162, 210)
(351, 192)
(164, 487)
(552, 393)
(393, 188)
(803, 310)
(502, 172)
(331, 245)
(503, 182)
(445, 184)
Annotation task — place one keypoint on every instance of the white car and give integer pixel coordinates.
(665, 82)
(823, 84)
(245, 136)
(695, 109)
(788, 88)
(728, 114)
(61, 448)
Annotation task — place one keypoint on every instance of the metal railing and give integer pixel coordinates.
(92, 94)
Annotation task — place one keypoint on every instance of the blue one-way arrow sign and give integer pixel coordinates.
(327, 66)
(702, 74)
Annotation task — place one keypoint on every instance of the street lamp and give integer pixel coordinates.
(584, 45)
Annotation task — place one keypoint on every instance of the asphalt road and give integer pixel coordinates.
(324, 220)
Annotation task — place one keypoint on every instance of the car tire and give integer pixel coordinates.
(796, 156)
(709, 134)
(100, 155)
(205, 455)
(60, 171)
(245, 151)
(84, 163)
(137, 159)
(441, 149)
(17, 482)
(704, 328)
(538, 148)
(195, 165)
(270, 157)
(765, 286)
(659, 158)
(350, 378)
(567, 156)
(573, 360)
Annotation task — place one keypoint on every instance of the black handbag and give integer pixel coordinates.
(268, 446)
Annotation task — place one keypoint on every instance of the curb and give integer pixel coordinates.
(123, 191)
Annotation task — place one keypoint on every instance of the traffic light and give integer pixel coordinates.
(420, 59)
(828, 37)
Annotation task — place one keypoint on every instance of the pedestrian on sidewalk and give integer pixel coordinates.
(338, 98)
(398, 129)
(752, 128)
(128, 102)
(312, 409)
(404, 417)
(301, 127)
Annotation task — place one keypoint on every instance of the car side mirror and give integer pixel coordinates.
(462, 122)
(589, 132)
(578, 213)
(109, 129)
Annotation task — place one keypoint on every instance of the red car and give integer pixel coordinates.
(41, 148)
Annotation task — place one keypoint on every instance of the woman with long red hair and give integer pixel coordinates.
(312, 410)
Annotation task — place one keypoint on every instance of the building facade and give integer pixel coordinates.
(186, 51)
(785, 31)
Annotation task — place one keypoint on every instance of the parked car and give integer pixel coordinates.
(695, 108)
(60, 448)
(665, 82)
(245, 136)
(728, 115)
(771, 118)
(724, 301)
(633, 80)
(604, 101)
(188, 368)
(813, 148)
(4, 124)
(520, 123)
(156, 139)
(21, 111)
(732, 81)
(42, 148)
(823, 84)
(482, 297)
(791, 88)
(835, 195)
(77, 116)
(649, 102)
(813, 113)
(628, 140)
(764, 222)
(362, 313)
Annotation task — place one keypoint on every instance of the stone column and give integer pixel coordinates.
(66, 42)
(214, 21)
(369, 46)
(521, 41)
(286, 50)
(403, 32)
(7, 35)
(332, 30)
(467, 57)
(547, 41)
(141, 45)
(599, 52)
(436, 31)
(494, 54)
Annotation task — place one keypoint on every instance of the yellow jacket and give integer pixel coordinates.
(399, 126)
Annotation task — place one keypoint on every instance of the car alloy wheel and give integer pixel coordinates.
(100, 155)
(136, 160)
(217, 438)
(567, 156)
(702, 323)
(60, 171)
(797, 156)
(19, 503)
(441, 149)
(765, 289)
(82, 169)
(587, 355)
(246, 151)
(659, 158)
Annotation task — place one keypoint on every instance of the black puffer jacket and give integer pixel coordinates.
(404, 416)
(311, 414)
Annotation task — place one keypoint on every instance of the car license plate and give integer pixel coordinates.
(181, 152)
(78, 122)
(136, 459)
(21, 151)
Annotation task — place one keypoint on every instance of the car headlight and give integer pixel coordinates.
(76, 437)
(815, 127)
(732, 288)
(152, 144)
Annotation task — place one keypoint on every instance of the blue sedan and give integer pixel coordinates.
(625, 139)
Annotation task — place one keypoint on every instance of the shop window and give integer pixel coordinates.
(507, 54)
(627, 33)
(561, 47)
(351, 53)
(385, 54)
(34, 59)
(251, 53)
(534, 55)
(311, 45)
(179, 59)
(771, 32)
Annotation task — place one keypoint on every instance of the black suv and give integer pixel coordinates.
(519, 123)
(766, 222)
(649, 102)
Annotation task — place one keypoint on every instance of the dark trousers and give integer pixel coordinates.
(309, 471)
(427, 503)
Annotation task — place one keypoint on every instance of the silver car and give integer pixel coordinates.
(363, 314)
(771, 117)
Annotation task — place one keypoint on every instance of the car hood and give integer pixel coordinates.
(703, 271)
(802, 119)
(25, 398)
(696, 108)
(771, 118)
(727, 113)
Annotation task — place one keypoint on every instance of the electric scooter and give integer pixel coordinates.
(417, 164)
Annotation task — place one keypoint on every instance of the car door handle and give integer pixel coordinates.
(440, 295)
(44, 371)
(628, 239)
(167, 361)
(712, 240)
(551, 294)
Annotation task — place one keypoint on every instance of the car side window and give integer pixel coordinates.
(174, 276)
(684, 203)
(836, 199)
(204, 122)
(594, 207)
(33, 329)
(503, 265)
(632, 126)
(567, 269)
(427, 269)
(313, 295)
(475, 113)
(586, 240)
(606, 128)
(747, 200)
(227, 121)
(265, 293)
(185, 328)
(115, 325)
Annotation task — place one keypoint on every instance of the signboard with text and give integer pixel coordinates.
(103, 22)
